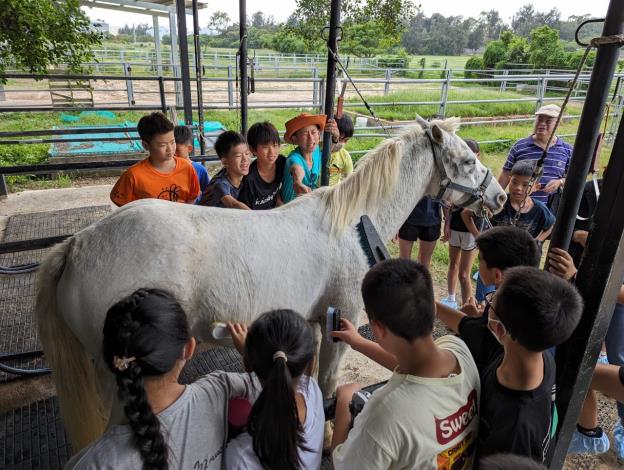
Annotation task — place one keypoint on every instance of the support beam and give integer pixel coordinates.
(198, 77)
(184, 64)
(173, 33)
(332, 44)
(602, 267)
(159, 69)
(242, 5)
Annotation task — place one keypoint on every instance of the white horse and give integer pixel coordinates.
(226, 264)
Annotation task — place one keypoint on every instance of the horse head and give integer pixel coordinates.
(463, 180)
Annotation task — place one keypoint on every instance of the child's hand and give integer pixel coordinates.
(561, 264)
(301, 188)
(239, 334)
(580, 236)
(472, 308)
(348, 332)
(332, 128)
(446, 233)
(395, 239)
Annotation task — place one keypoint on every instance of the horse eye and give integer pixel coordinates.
(469, 162)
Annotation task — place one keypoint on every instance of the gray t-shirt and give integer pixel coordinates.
(194, 426)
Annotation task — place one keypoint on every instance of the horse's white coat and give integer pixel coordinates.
(226, 264)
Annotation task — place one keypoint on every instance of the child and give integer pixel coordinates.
(302, 171)
(535, 217)
(184, 147)
(422, 224)
(439, 376)
(341, 165)
(531, 312)
(223, 190)
(146, 342)
(286, 423)
(461, 229)
(161, 175)
(261, 186)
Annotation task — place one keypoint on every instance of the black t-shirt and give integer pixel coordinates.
(481, 342)
(256, 193)
(586, 211)
(457, 223)
(514, 421)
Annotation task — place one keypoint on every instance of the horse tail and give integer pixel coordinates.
(72, 368)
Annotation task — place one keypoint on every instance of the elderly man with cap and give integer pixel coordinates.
(532, 147)
(302, 171)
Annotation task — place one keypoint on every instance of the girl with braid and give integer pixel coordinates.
(286, 422)
(169, 425)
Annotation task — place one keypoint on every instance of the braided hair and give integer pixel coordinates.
(279, 347)
(144, 336)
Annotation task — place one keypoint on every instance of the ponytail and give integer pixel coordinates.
(279, 347)
(144, 335)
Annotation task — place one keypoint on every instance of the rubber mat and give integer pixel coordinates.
(217, 358)
(33, 437)
(17, 329)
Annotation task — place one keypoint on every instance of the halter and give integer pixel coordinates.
(473, 194)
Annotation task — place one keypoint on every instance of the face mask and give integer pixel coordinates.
(493, 333)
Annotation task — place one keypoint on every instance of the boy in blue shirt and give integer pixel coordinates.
(223, 190)
(184, 146)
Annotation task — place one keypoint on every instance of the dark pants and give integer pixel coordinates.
(615, 344)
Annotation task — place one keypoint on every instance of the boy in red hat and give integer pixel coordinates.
(303, 166)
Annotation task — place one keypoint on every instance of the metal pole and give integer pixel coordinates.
(184, 63)
(173, 33)
(599, 280)
(198, 77)
(159, 70)
(163, 97)
(332, 44)
(602, 266)
(242, 5)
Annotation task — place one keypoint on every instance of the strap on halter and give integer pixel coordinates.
(474, 194)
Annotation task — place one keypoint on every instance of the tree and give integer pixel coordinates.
(545, 50)
(38, 34)
(495, 52)
(526, 19)
(259, 20)
(492, 24)
(311, 16)
(518, 50)
(220, 21)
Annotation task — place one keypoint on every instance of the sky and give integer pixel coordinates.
(281, 9)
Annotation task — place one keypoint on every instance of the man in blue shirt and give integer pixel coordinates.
(531, 148)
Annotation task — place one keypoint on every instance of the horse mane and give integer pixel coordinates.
(374, 179)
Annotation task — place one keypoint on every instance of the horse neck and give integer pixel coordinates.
(416, 179)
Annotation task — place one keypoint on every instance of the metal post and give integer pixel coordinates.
(600, 266)
(173, 32)
(315, 90)
(330, 80)
(321, 97)
(3, 94)
(163, 97)
(159, 70)
(503, 86)
(129, 88)
(230, 88)
(242, 6)
(540, 94)
(198, 77)
(4, 191)
(387, 84)
(184, 63)
(446, 84)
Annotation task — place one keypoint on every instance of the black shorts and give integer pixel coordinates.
(411, 233)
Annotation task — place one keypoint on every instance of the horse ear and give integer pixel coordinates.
(422, 122)
(437, 134)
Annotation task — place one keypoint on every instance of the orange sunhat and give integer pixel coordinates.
(301, 121)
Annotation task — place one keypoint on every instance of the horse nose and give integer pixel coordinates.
(502, 197)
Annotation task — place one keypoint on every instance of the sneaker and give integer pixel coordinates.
(583, 444)
(618, 440)
(602, 358)
(449, 303)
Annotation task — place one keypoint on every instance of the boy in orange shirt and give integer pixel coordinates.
(161, 175)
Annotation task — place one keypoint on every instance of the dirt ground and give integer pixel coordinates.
(355, 368)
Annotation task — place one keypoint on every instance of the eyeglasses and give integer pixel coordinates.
(489, 299)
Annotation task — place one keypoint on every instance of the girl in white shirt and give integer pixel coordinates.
(286, 422)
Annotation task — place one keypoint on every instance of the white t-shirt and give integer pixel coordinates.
(417, 422)
(194, 426)
(239, 454)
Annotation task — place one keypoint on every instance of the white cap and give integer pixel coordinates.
(551, 110)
